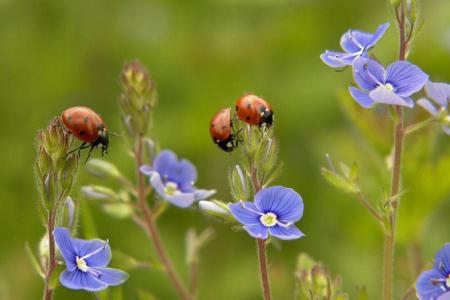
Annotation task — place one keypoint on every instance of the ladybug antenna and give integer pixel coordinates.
(115, 134)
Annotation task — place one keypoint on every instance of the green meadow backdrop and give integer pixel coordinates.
(203, 55)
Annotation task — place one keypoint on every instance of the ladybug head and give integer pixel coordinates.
(103, 138)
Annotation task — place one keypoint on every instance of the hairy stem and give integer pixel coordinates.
(152, 230)
(48, 291)
(261, 244)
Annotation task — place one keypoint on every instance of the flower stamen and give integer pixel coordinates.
(269, 219)
(171, 188)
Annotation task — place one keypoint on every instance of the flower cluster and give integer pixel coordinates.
(393, 85)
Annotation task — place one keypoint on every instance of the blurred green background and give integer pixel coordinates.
(203, 55)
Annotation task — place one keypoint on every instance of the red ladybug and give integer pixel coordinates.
(221, 129)
(87, 126)
(254, 110)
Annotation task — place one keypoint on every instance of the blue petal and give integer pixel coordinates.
(65, 245)
(200, 194)
(245, 212)
(338, 59)
(377, 35)
(439, 92)
(445, 296)
(382, 95)
(286, 233)
(100, 250)
(181, 200)
(78, 280)
(257, 231)
(361, 97)
(406, 78)
(349, 43)
(163, 161)
(425, 288)
(442, 260)
(285, 203)
(111, 276)
(368, 73)
(428, 106)
(146, 169)
(181, 172)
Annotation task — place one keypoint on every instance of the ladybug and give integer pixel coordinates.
(221, 129)
(87, 126)
(254, 110)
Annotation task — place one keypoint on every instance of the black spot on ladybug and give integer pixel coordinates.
(237, 108)
(86, 120)
(224, 126)
(248, 118)
(69, 119)
(249, 106)
(212, 125)
(82, 132)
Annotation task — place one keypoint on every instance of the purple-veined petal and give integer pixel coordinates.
(442, 260)
(203, 194)
(349, 44)
(361, 97)
(97, 252)
(79, 280)
(337, 59)
(425, 288)
(179, 199)
(146, 169)
(368, 73)
(360, 38)
(65, 245)
(377, 35)
(245, 212)
(439, 92)
(111, 276)
(164, 161)
(285, 203)
(405, 77)
(285, 233)
(383, 95)
(182, 172)
(428, 106)
(257, 231)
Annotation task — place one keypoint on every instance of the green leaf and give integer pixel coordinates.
(339, 181)
(33, 260)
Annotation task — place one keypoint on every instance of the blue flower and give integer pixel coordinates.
(435, 283)
(274, 211)
(440, 94)
(174, 179)
(355, 44)
(86, 262)
(392, 86)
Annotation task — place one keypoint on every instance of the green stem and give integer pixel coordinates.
(153, 232)
(48, 291)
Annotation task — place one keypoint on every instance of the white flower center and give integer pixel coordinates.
(389, 87)
(268, 219)
(171, 188)
(81, 264)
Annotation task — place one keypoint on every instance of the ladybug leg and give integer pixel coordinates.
(82, 146)
(89, 154)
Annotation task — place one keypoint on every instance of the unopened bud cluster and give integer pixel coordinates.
(137, 99)
(55, 170)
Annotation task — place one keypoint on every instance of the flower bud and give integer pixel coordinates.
(137, 85)
(150, 148)
(102, 169)
(69, 171)
(70, 208)
(239, 184)
(44, 249)
(216, 209)
(96, 192)
(44, 162)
